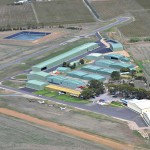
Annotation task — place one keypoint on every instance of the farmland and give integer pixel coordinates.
(30, 15)
(137, 8)
(141, 54)
(16, 15)
(113, 8)
(63, 12)
(138, 28)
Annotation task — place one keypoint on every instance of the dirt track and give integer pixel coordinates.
(107, 142)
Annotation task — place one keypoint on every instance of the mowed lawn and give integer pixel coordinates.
(62, 12)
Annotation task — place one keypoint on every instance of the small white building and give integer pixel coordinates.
(139, 106)
(146, 117)
(93, 56)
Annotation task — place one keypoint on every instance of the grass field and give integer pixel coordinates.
(63, 12)
(141, 55)
(82, 120)
(112, 8)
(137, 8)
(30, 137)
(65, 97)
(138, 28)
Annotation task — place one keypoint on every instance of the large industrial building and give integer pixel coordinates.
(63, 89)
(65, 57)
(146, 117)
(115, 45)
(36, 85)
(116, 57)
(140, 106)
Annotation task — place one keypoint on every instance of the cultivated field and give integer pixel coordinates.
(140, 27)
(141, 54)
(17, 134)
(97, 124)
(138, 8)
(35, 14)
(108, 9)
(16, 15)
(62, 12)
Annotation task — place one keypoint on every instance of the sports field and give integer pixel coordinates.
(62, 12)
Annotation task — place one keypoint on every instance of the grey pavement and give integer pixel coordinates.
(117, 112)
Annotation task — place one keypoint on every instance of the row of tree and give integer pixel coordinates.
(128, 91)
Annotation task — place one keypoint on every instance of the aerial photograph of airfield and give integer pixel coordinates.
(74, 74)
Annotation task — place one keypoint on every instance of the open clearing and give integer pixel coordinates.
(95, 124)
(140, 9)
(17, 134)
(67, 130)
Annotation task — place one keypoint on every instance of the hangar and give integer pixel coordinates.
(82, 49)
(140, 106)
(146, 117)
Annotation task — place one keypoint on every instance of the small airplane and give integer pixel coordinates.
(62, 108)
(41, 102)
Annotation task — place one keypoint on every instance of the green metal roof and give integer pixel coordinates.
(123, 65)
(57, 77)
(63, 68)
(40, 73)
(78, 73)
(95, 76)
(105, 61)
(64, 55)
(119, 56)
(92, 67)
(108, 70)
(39, 83)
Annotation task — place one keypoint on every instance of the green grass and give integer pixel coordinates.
(22, 76)
(117, 104)
(13, 84)
(68, 98)
(64, 97)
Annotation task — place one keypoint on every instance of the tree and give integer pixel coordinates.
(73, 66)
(87, 93)
(81, 61)
(96, 86)
(66, 64)
(115, 75)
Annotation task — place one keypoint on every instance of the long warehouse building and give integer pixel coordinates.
(65, 56)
